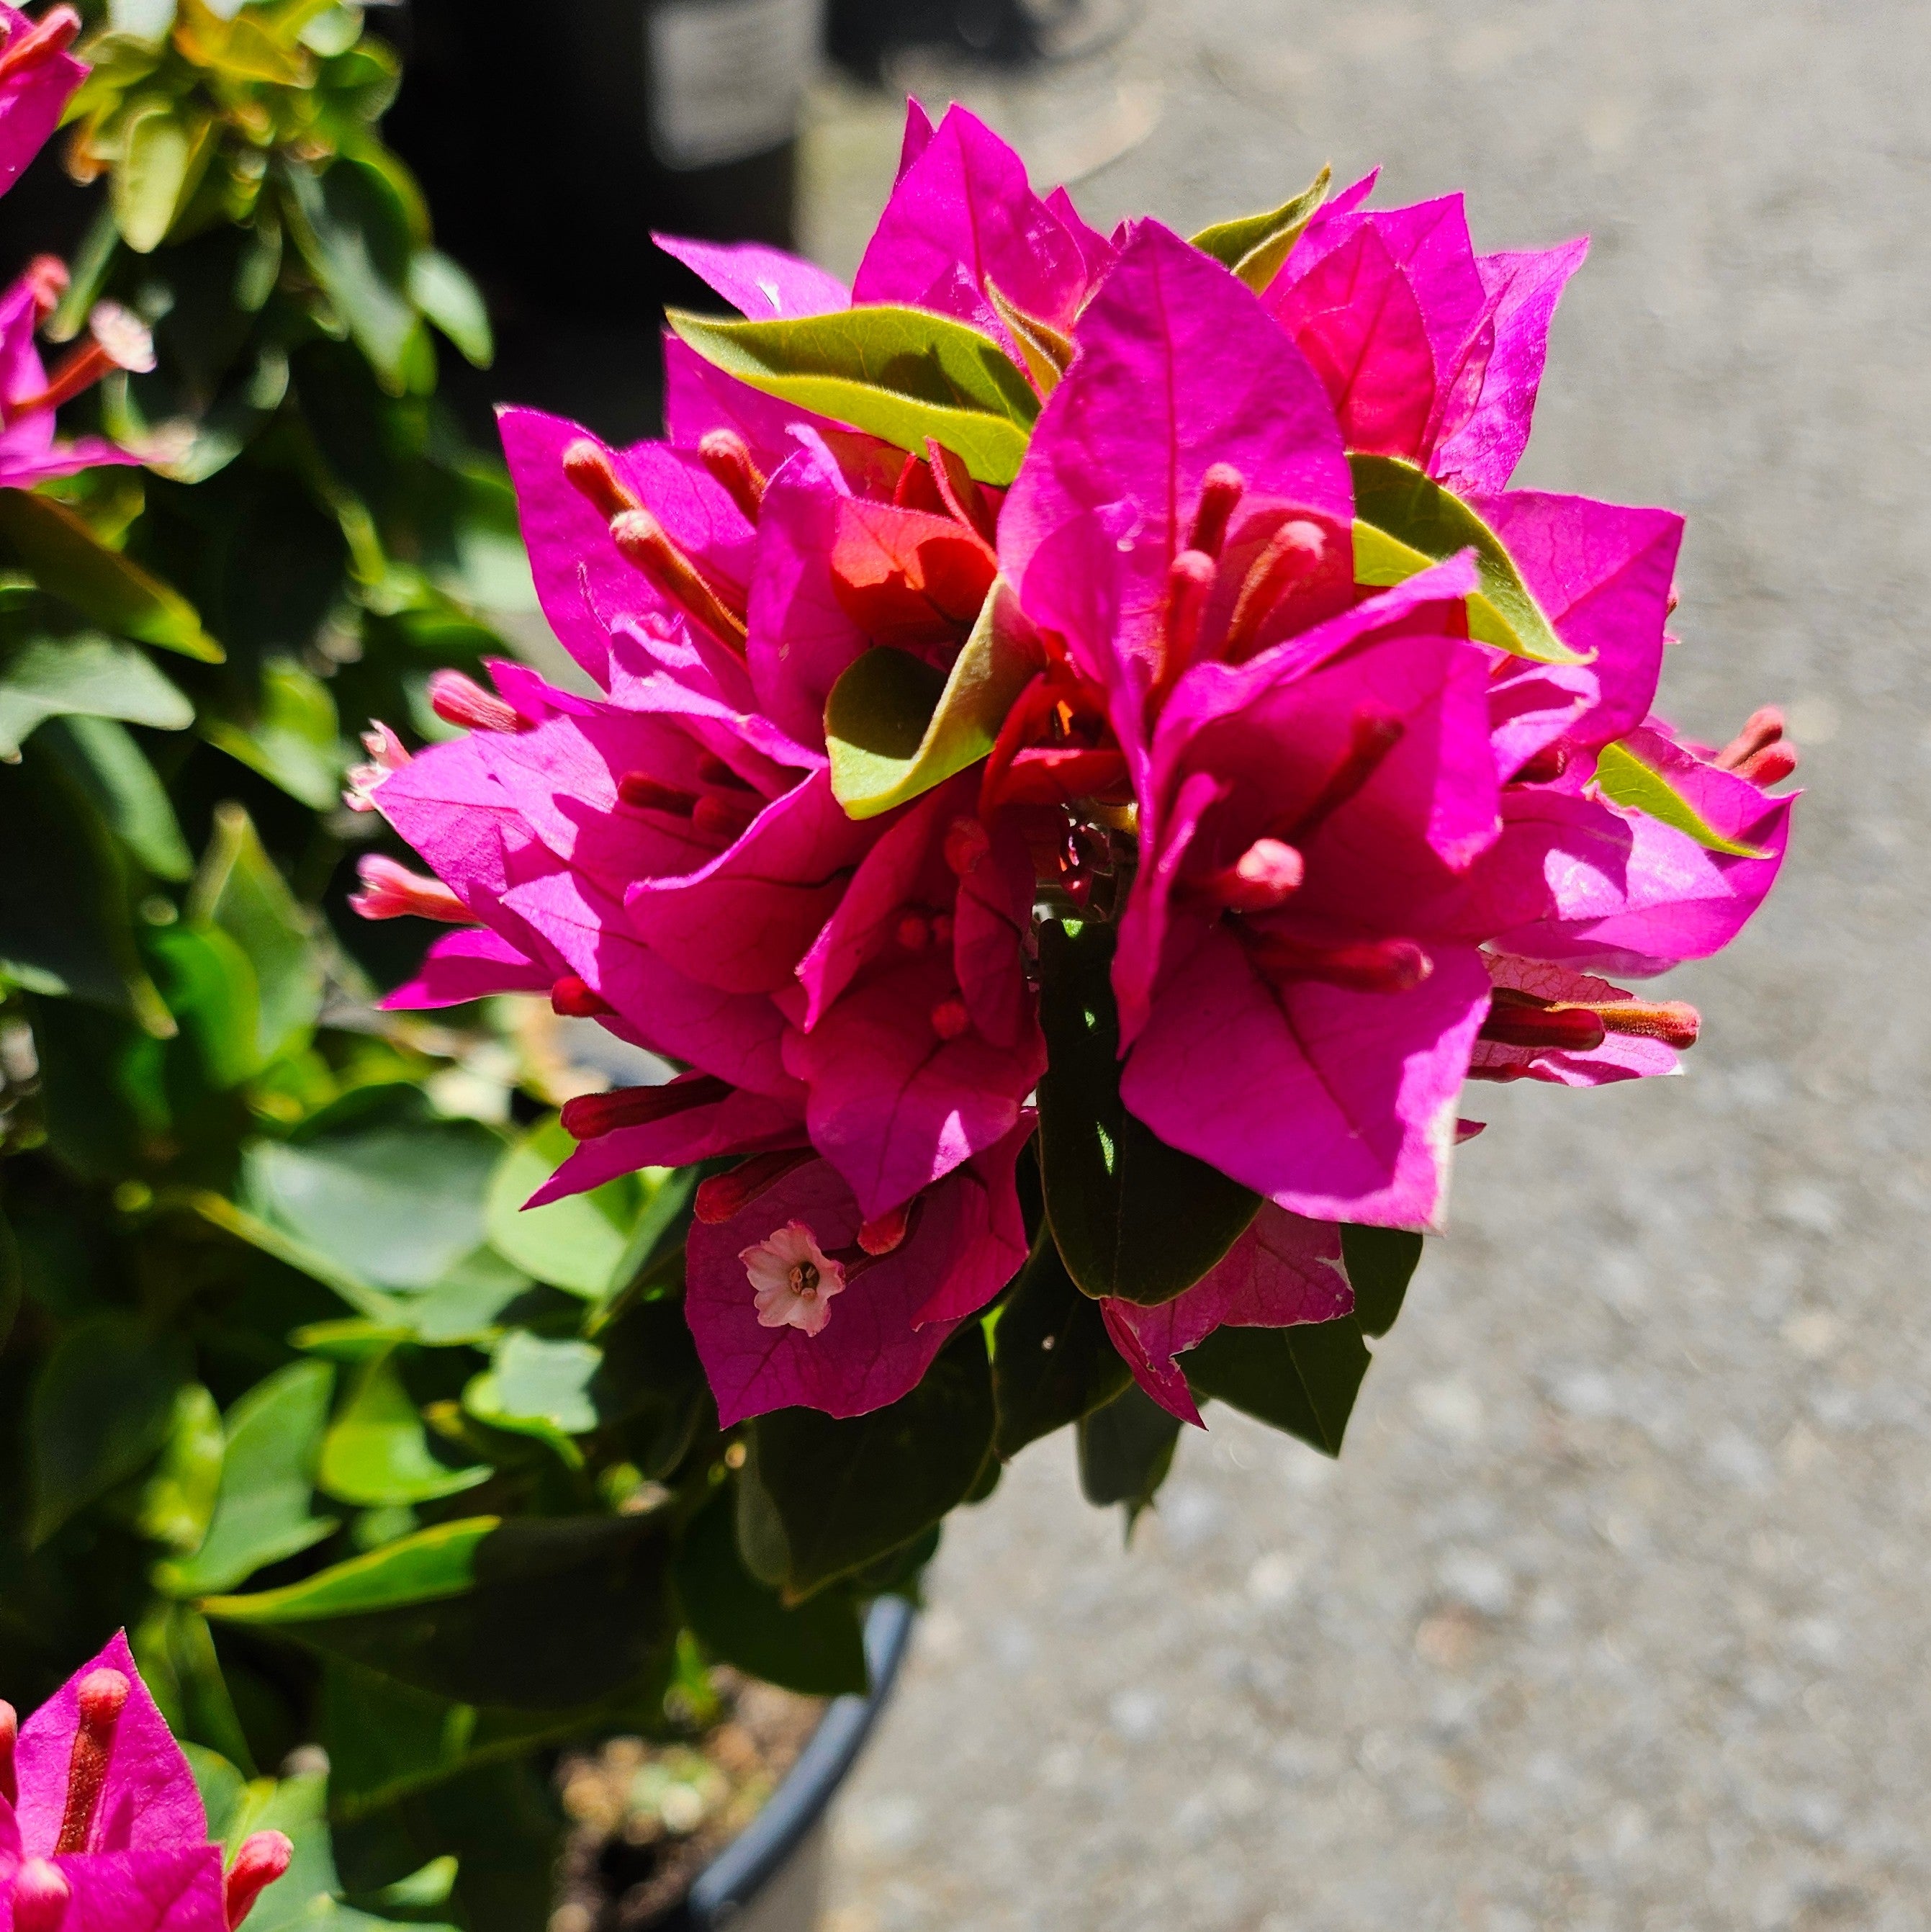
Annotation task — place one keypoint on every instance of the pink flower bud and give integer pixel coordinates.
(574, 999)
(589, 1116)
(592, 474)
(1221, 491)
(263, 1857)
(391, 891)
(726, 456)
(458, 699)
(41, 1896)
(100, 1698)
(950, 1018)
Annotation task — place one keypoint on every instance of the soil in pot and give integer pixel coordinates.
(646, 1816)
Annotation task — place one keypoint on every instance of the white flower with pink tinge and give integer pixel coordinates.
(795, 1279)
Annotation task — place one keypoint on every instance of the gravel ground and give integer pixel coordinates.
(1614, 1614)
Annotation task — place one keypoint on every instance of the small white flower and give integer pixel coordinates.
(794, 1278)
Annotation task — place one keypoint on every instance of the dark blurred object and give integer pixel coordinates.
(551, 144)
(864, 35)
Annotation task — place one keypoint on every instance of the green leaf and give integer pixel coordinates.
(1381, 1262)
(396, 1200)
(101, 1409)
(294, 740)
(210, 988)
(1052, 1360)
(537, 1388)
(238, 892)
(468, 1304)
(582, 1243)
(273, 1439)
(102, 758)
(68, 561)
(292, 1252)
(535, 1613)
(86, 676)
(174, 1650)
(1125, 1450)
(1303, 1379)
(845, 1493)
(64, 924)
(1405, 521)
(355, 235)
(376, 1452)
(1254, 246)
(902, 374)
(1133, 1217)
(176, 1503)
(1626, 781)
(454, 303)
(895, 728)
(152, 177)
(816, 1648)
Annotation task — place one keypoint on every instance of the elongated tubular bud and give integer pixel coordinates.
(10, 1735)
(914, 931)
(589, 1116)
(1221, 491)
(1294, 551)
(41, 1896)
(725, 1195)
(391, 891)
(458, 699)
(47, 277)
(263, 1857)
(885, 1233)
(1371, 736)
(593, 473)
(642, 792)
(950, 1019)
(1372, 966)
(643, 542)
(1675, 1022)
(100, 1698)
(1763, 727)
(1265, 877)
(53, 33)
(726, 456)
(574, 999)
(1189, 581)
(1771, 766)
(118, 339)
(1555, 1029)
(724, 818)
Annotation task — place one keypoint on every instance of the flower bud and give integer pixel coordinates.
(574, 999)
(1265, 876)
(589, 1116)
(1221, 491)
(881, 1235)
(41, 1896)
(726, 456)
(391, 891)
(950, 1019)
(591, 473)
(100, 1698)
(646, 794)
(263, 1857)
(725, 1195)
(458, 700)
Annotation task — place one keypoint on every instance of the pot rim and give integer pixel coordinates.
(735, 1877)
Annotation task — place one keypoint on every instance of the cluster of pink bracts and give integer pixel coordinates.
(101, 1827)
(1355, 857)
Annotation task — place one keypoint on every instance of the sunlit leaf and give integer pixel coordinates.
(1254, 246)
(376, 1452)
(1625, 778)
(88, 676)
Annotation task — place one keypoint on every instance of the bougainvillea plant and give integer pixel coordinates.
(1088, 757)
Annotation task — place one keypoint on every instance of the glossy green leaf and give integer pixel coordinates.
(1381, 1262)
(238, 892)
(1133, 1217)
(87, 676)
(69, 562)
(376, 1452)
(272, 1440)
(1626, 781)
(1126, 1449)
(845, 1493)
(176, 1503)
(533, 1613)
(816, 1648)
(895, 727)
(174, 1650)
(292, 1252)
(538, 1387)
(355, 236)
(1304, 1380)
(294, 740)
(901, 373)
(469, 1301)
(210, 988)
(103, 759)
(1052, 1360)
(397, 1200)
(580, 1243)
(150, 182)
(443, 293)
(1254, 246)
(101, 1409)
(1405, 521)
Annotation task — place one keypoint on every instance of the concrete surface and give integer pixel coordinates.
(1614, 1613)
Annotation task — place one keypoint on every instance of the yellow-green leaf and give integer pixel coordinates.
(68, 561)
(1405, 521)
(895, 728)
(1625, 780)
(901, 373)
(424, 1568)
(151, 179)
(1254, 246)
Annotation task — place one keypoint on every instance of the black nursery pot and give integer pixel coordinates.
(771, 1877)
